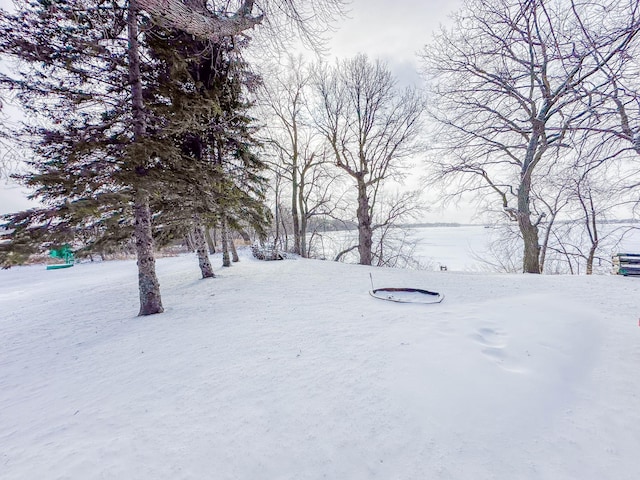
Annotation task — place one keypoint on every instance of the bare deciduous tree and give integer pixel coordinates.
(513, 81)
(371, 128)
(393, 245)
(300, 156)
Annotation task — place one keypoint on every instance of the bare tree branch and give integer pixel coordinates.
(186, 16)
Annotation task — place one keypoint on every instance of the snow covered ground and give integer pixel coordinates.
(290, 370)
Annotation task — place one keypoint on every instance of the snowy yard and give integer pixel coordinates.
(290, 370)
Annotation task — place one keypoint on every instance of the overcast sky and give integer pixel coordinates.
(395, 31)
(392, 30)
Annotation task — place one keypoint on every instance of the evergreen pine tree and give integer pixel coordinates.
(80, 78)
(200, 104)
(124, 138)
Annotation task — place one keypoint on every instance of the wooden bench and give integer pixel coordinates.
(626, 264)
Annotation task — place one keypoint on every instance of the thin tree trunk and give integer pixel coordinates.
(365, 234)
(150, 300)
(201, 249)
(593, 235)
(592, 229)
(295, 214)
(545, 243)
(234, 252)
(303, 222)
(285, 246)
(210, 242)
(277, 212)
(189, 240)
(592, 254)
(224, 239)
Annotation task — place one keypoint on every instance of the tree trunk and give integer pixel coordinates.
(593, 235)
(285, 246)
(201, 249)
(295, 214)
(529, 231)
(592, 254)
(276, 235)
(210, 243)
(592, 229)
(149, 287)
(188, 239)
(545, 242)
(150, 301)
(303, 223)
(364, 224)
(531, 257)
(234, 252)
(224, 240)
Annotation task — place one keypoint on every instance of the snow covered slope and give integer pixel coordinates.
(290, 370)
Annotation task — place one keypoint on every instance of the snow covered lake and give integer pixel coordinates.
(457, 248)
(291, 370)
(466, 248)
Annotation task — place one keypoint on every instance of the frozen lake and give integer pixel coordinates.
(457, 248)
(463, 248)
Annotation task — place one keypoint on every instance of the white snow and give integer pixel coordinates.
(291, 370)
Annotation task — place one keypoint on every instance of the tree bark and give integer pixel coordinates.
(304, 250)
(295, 214)
(211, 244)
(365, 233)
(188, 239)
(529, 231)
(245, 236)
(234, 252)
(590, 258)
(545, 242)
(150, 300)
(283, 224)
(531, 257)
(303, 221)
(592, 229)
(276, 236)
(201, 249)
(177, 14)
(224, 239)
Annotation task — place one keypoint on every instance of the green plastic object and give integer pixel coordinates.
(64, 253)
(59, 266)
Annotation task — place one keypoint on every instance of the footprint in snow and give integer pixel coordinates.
(490, 337)
(493, 345)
